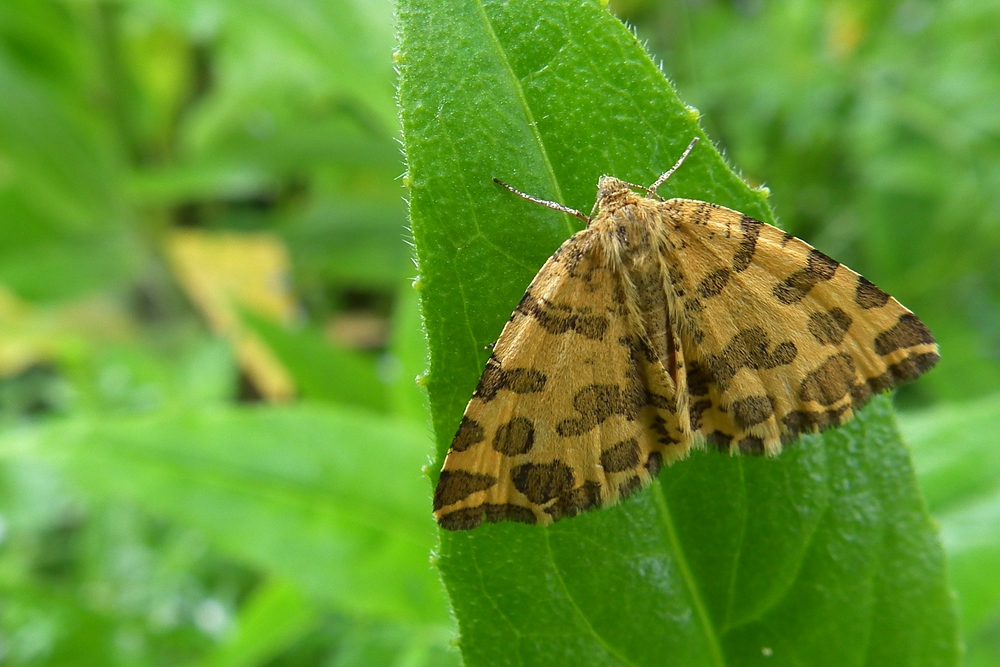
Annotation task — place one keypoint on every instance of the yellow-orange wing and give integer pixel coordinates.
(779, 338)
(570, 413)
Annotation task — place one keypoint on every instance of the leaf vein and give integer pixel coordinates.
(530, 117)
(572, 600)
(685, 570)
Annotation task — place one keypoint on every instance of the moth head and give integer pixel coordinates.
(613, 193)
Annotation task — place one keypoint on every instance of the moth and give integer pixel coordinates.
(662, 326)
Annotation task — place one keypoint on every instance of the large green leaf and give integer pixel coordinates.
(825, 556)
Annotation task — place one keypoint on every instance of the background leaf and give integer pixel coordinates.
(255, 481)
(955, 453)
(277, 615)
(323, 371)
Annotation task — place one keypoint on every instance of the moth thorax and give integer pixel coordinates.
(612, 194)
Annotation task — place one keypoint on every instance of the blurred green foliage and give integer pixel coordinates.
(151, 515)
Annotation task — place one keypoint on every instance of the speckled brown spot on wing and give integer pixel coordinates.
(541, 482)
(751, 445)
(695, 412)
(467, 518)
(698, 379)
(905, 370)
(518, 380)
(621, 457)
(578, 500)
(664, 435)
(638, 348)
(752, 410)
(712, 284)
(830, 382)
(803, 421)
(559, 319)
(750, 348)
(469, 433)
(597, 402)
(794, 288)
(868, 295)
(653, 463)
(914, 366)
(629, 486)
(692, 306)
(907, 332)
(660, 402)
(748, 245)
(829, 327)
(719, 440)
(515, 437)
(454, 485)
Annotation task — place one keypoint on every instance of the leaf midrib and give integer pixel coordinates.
(699, 604)
(700, 608)
(532, 124)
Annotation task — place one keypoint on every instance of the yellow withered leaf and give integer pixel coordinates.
(222, 272)
(662, 326)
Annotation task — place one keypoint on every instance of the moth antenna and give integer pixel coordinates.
(670, 172)
(545, 202)
(638, 187)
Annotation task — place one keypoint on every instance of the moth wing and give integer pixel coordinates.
(779, 338)
(558, 423)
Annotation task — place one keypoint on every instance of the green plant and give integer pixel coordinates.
(823, 556)
(151, 513)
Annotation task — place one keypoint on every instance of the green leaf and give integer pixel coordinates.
(317, 56)
(323, 371)
(824, 556)
(811, 556)
(350, 239)
(330, 500)
(548, 127)
(62, 221)
(274, 618)
(956, 456)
